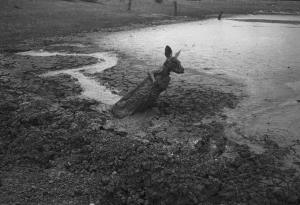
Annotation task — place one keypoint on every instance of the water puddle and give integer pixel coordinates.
(91, 88)
(262, 51)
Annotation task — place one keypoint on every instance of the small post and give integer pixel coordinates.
(129, 5)
(175, 8)
(220, 15)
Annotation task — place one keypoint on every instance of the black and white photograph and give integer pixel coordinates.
(149, 102)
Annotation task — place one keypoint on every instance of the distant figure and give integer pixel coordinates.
(220, 15)
(147, 92)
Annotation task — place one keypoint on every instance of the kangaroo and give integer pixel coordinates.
(148, 91)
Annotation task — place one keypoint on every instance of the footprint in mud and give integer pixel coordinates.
(92, 89)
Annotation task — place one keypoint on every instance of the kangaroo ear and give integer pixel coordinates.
(168, 52)
(177, 54)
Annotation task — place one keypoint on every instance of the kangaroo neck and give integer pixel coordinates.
(165, 71)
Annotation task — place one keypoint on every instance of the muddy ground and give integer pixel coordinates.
(58, 148)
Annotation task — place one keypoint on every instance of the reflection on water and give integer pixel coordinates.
(264, 55)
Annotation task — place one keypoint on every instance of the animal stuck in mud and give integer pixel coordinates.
(148, 91)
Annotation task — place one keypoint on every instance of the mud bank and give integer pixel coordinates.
(57, 148)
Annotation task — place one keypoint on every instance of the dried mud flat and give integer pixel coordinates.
(58, 148)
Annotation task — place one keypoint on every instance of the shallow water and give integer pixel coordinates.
(262, 51)
(91, 88)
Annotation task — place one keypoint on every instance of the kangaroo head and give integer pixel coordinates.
(172, 62)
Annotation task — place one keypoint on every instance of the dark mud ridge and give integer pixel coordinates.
(56, 148)
(268, 21)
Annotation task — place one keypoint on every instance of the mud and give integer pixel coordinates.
(269, 21)
(58, 148)
(91, 88)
